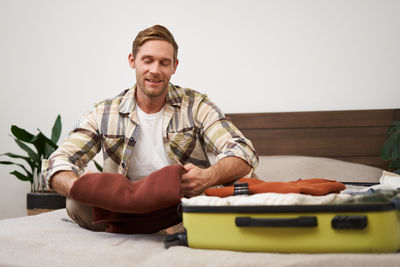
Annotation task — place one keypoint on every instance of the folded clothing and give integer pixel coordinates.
(266, 199)
(145, 206)
(390, 179)
(314, 186)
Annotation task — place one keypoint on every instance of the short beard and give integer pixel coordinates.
(149, 94)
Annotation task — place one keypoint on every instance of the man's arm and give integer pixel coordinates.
(227, 170)
(81, 145)
(62, 182)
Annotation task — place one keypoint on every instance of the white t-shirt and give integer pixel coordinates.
(148, 154)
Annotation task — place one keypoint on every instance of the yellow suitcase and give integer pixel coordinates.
(292, 229)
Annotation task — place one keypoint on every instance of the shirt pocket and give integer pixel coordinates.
(113, 147)
(184, 140)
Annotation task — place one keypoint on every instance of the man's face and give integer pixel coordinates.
(154, 64)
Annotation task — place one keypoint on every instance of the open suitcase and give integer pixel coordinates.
(292, 229)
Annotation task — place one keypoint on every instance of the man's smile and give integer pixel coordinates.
(154, 81)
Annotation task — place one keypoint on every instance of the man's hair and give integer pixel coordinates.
(156, 32)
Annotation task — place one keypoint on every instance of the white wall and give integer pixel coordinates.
(59, 57)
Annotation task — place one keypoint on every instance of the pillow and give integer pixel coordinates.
(289, 168)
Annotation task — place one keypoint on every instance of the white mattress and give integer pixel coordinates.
(48, 240)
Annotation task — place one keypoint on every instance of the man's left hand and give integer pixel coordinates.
(196, 180)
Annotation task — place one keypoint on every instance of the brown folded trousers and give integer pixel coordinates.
(145, 206)
(314, 186)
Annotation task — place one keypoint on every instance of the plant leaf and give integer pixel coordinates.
(27, 159)
(395, 126)
(47, 145)
(56, 130)
(395, 164)
(7, 162)
(98, 166)
(21, 134)
(387, 148)
(390, 149)
(32, 154)
(396, 145)
(20, 165)
(43, 145)
(47, 140)
(12, 155)
(48, 150)
(22, 177)
(38, 142)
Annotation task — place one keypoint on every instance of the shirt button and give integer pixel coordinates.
(131, 139)
(123, 164)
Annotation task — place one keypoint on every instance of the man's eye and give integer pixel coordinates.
(165, 63)
(147, 61)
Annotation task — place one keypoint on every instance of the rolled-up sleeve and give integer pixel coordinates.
(81, 145)
(222, 137)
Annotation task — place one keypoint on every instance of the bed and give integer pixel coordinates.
(339, 145)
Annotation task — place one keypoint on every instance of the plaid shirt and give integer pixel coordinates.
(192, 127)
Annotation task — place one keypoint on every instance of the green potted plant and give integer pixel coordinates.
(37, 148)
(391, 148)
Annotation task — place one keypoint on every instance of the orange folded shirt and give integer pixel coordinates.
(314, 186)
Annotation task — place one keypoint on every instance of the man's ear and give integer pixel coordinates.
(131, 61)
(176, 65)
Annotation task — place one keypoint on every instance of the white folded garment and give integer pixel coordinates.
(264, 199)
(390, 179)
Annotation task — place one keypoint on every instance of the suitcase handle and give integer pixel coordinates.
(301, 221)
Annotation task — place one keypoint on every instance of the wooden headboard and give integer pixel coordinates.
(354, 135)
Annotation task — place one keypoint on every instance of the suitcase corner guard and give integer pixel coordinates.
(178, 239)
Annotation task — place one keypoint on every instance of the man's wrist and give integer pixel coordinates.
(228, 170)
(213, 175)
(63, 181)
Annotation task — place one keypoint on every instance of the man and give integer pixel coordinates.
(152, 125)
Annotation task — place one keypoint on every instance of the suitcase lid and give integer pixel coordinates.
(361, 202)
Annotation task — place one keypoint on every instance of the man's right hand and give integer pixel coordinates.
(62, 182)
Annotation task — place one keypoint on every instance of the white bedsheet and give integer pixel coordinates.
(47, 240)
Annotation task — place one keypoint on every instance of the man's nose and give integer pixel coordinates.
(155, 68)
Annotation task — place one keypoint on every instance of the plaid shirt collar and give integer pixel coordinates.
(174, 98)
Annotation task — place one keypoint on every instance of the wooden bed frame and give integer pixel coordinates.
(353, 135)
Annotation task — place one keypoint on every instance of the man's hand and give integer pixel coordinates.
(227, 170)
(196, 180)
